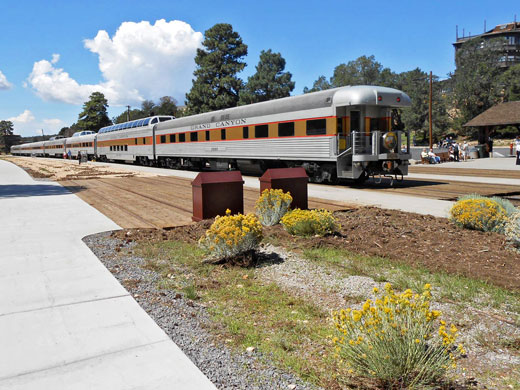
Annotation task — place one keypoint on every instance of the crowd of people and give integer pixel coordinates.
(456, 152)
(460, 151)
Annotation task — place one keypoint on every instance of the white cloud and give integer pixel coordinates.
(4, 84)
(24, 117)
(141, 61)
(53, 123)
(55, 84)
(26, 124)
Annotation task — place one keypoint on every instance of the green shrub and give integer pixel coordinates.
(232, 235)
(396, 340)
(309, 222)
(509, 208)
(512, 231)
(479, 213)
(272, 206)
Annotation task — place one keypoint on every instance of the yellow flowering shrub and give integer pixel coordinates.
(512, 231)
(309, 222)
(396, 340)
(231, 235)
(483, 214)
(272, 206)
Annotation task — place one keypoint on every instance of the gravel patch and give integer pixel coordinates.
(188, 324)
(481, 331)
(315, 283)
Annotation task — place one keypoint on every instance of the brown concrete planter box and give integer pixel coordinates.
(293, 180)
(214, 192)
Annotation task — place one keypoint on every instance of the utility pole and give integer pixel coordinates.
(128, 113)
(430, 109)
(43, 136)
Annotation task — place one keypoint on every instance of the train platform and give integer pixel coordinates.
(65, 321)
(498, 163)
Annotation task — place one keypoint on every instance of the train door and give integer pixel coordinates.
(153, 140)
(355, 120)
(342, 129)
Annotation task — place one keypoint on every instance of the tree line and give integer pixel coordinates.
(478, 83)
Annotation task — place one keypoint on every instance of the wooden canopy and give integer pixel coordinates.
(500, 115)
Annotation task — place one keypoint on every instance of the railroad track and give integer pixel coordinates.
(165, 201)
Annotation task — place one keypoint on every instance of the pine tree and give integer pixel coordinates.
(269, 82)
(94, 115)
(216, 85)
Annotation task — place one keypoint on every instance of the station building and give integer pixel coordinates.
(510, 47)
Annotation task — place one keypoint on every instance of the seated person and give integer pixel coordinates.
(424, 155)
(434, 159)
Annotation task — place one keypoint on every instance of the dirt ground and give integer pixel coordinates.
(418, 240)
(57, 169)
(156, 202)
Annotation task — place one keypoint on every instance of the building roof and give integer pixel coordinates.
(501, 114)
(497, 31)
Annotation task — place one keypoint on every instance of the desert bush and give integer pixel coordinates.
(272, 206)
(508, 207)
(309, 222)
(479, 213)
(232, 235)
(396, 340)
(512, 231)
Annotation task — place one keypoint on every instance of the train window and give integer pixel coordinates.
(163, 139)
(140, 123)
(182, 137)
(193, 136)
(207, 135)
(154, 120)
(110, 148)
(316, 127)
(144, 140)
(222, 134)
(126, 148)
(261, 131)
(146, 121)
(135, 140)
(286, 129)
(164, 118)
(245, 132)
(172, 137)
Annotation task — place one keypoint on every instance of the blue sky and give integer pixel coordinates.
(54, 53)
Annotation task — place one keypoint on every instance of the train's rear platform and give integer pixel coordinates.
(65, 322)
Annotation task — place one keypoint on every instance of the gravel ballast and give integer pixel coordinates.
(187, 323)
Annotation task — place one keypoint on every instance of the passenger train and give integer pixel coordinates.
(341, 133)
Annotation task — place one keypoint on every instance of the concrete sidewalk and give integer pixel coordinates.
(466, 179)
(65, 321)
